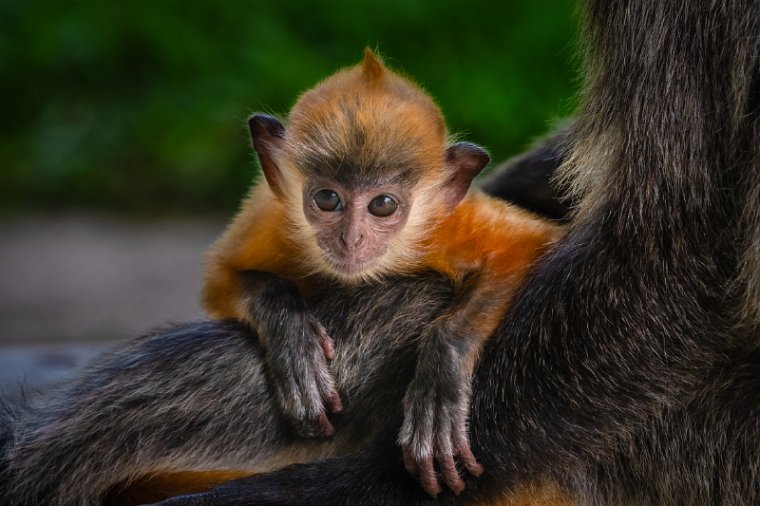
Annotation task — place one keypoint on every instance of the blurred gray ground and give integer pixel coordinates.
(71, 285)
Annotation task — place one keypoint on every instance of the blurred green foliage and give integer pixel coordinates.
(140, 106)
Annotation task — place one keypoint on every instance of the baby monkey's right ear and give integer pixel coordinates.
(464, 161)
(267, 134)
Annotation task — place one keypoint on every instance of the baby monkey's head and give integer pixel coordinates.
(365, 168)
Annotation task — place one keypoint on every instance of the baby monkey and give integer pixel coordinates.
(364, 181)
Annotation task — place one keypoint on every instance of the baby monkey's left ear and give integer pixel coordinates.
(464, 161)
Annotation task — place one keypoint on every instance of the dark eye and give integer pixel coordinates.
(383, 205)
(328, 200)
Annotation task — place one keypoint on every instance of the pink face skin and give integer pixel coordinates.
(355, 225)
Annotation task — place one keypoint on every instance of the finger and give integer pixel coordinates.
(326, 428)
(450, 473)
(409, 463)
(291, 398)
(328, 345)
(469, 461)
(445, 454)
(428, 479)
(333, 402)
(315, 422)
(314, 428)
(327, 391)
(464, 453)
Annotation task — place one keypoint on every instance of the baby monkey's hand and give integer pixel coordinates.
(436, 407)
(297, 349)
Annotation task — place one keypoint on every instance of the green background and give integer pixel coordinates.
(139, 107)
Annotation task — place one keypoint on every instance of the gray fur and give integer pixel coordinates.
(632, 381)
(159, 403)
(526, 179)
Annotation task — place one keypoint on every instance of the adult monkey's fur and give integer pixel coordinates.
(628, 371)
(195, 397)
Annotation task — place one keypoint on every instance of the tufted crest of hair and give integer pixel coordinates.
(366, 124)
(363, 127)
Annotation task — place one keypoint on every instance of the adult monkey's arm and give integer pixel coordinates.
(529, 179)
(627, 369)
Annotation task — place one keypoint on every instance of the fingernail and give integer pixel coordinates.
(329, 349)
(327, 430)
(337, 405)
(433, 492)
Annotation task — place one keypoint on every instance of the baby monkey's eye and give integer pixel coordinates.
(328, 200)
(383, 205)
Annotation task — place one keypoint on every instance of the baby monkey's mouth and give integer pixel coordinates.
(352, 264)
(349, 265)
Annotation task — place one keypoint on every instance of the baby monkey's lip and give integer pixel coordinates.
(349, 266)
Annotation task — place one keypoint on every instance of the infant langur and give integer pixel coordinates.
(362, 182)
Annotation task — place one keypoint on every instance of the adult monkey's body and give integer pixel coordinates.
(195, 397)
(189, 407)
(628, 368)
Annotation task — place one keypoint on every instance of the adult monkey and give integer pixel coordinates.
(628, 370)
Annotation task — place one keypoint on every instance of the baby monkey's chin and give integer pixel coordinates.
(354, 271)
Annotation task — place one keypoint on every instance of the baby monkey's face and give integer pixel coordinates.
(354, 225)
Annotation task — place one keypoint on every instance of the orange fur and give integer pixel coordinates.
(495, 239)
(157, 487)
(486, 232)
(257, 239)
(530, 495)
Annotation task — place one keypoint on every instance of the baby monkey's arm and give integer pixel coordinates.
(247, 280)
(487, 247)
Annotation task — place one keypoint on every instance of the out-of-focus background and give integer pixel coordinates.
(123, 147)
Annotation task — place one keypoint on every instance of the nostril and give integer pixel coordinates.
(351, 239)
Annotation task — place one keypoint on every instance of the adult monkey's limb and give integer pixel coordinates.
(195, 398)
